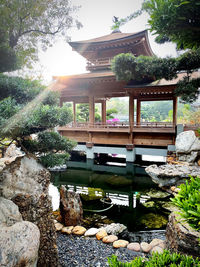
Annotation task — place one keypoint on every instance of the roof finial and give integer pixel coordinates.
(116, 25)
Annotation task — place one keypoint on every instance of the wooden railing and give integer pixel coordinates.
(120, 125)
(101, 62)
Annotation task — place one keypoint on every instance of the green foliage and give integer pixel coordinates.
(142, 68)
(188, 201)
(128, 67)
(171, 20)
(22, 90)
(188, 89)
(83, 112)
(8, 59)
(51, 159)
(46, 117)
(166, 259)
(175, 20)
(8, 107)
(110, 112)
(26, 25)
(20, 118)
(51, 148)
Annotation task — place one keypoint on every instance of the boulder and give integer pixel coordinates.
(19, 244)
(9, 212)
(182, 238)
(26, 183)
(109, 239)
(70, 207)
(169, 175)
(19, 240)
(187, 142)
(120, 243)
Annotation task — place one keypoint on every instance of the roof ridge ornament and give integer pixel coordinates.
(116, 24)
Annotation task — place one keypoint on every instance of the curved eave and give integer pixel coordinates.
(90, 45)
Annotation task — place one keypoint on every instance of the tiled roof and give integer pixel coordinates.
(109, 37)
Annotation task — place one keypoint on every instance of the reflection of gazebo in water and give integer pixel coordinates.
(100, 84)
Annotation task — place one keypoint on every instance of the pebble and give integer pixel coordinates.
(145, 247)
(157, 249)
(109, 239)
(134, 246)
(91, 232)
(58, 226)
(101, 234)
(120, 243)
(67, 230)
(79, 230)
(76, 251)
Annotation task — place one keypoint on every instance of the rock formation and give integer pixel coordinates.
(19, 240)
(70, 207)
(26, 183)
(188, 154)
(181, 238)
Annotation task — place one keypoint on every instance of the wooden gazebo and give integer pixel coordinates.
(100, 84)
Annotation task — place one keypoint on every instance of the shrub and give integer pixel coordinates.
(188, 201)
(157, 260)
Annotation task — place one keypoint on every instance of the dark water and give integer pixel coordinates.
(123, 191)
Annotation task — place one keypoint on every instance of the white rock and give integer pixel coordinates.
(187, 142)
(19, 244)
(9, 212)
(91, 232)
(115, 228)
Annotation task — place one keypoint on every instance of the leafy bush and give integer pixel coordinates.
(157, 260)
(188, 201)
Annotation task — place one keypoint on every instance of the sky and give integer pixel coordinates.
(96, 17)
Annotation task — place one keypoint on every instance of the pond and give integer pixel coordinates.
(122, 194)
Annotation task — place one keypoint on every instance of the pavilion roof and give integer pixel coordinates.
(109, 37)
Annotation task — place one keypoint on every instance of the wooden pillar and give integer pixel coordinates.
(74, 111)
(91, 109)
(175, 102)
(131, 111)
(103, 112)
(138, 111)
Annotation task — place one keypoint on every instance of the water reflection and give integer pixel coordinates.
(122, 187)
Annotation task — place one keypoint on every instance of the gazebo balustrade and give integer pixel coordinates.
(100, 63)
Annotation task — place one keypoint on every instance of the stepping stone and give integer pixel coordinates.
(101, 234)
(58, 226)
(110, 239)
(120, 243)
(79, 230)
(91, 232)
(145, 247)
(67, 230)
(134, 247)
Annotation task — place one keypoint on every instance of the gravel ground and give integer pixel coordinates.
(88, 252)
